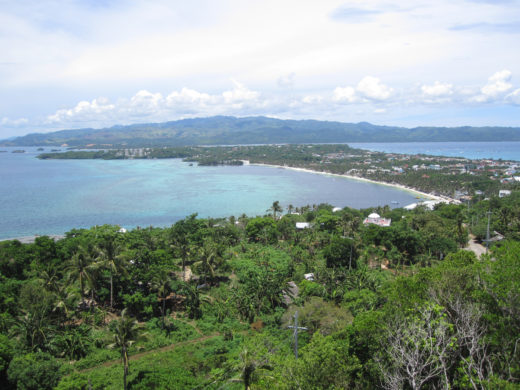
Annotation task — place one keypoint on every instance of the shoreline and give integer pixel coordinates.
(32, 239)
(426, 195)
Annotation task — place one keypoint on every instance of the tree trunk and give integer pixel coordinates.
(163, 310)
(125, 367)
(111, 291)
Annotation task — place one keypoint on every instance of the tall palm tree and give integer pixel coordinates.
(126, 332)
(275, 208)
(83, 269)
(162, 284)
(109, 257)
(208, 259)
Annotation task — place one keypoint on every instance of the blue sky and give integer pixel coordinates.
(73, 64)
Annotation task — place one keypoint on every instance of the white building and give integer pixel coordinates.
(376, 219)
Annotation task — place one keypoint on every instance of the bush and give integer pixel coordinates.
(34, 371)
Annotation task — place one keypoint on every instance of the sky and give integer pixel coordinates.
(97, 63)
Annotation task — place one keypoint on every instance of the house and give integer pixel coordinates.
(504, 193)
(335, 209)
(303, 225)
(376, 219)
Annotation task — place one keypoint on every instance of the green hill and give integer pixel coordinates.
(225, 130)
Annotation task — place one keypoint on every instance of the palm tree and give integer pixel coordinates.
(275, 208)
(126, 332)
(83, 269)
(109, 257)
(208, 259)
(161, 284)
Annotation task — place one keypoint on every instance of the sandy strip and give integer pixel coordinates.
(399, 186)
(31, 239)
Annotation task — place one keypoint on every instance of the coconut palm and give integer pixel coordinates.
(109, 257)
(275, 208)
(208, 259)
(126, 332)
(162, 284)
(83, 269)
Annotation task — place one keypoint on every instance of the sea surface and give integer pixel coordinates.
(473, 150)
(55, 196)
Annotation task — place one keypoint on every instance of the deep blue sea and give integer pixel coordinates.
(475, 150)
(54, 196)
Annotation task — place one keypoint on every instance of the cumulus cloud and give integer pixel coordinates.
(369, 88)
(498, 85)
(437, 89)
(239, 94)
(84, 111)
(154, 106)
(372, 88)
(345, 94)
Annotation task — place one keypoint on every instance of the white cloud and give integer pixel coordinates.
(187, 96)
(498, 84)
(13, 122)
(345, 94)
(153, 106)
(312, 99)
(239, 94)
(437, 89)
(372, 88)
(514, 97)
(84, 111)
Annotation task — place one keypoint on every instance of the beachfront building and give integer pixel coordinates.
(303, 225)
(376, 219)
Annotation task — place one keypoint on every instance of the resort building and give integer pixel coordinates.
(376, 219)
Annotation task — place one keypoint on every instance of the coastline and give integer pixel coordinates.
(31, 239)
(426, 195)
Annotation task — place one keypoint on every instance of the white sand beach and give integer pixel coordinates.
(400, 186)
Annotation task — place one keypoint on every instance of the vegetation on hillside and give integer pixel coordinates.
(207, 303)
(225, 130)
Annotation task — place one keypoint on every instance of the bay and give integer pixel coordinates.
(55, 196)
(474, 150)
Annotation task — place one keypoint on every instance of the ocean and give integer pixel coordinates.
(55, 196)
(474, 150)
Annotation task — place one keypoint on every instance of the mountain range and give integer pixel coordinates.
(227, 130)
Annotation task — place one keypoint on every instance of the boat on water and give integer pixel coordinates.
(18, 151)
(394, 202)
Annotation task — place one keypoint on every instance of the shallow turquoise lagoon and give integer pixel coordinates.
(54, 196)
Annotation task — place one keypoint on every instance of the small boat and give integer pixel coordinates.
(18, 151)
(395, 202)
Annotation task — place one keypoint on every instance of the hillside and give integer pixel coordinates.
(223, 130)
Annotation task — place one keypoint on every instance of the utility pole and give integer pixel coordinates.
(487, 231)
(295, 333)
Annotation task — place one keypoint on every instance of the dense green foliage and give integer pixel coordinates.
(207, 303)
(222, 130)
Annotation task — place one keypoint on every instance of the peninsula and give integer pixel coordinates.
(452, 177)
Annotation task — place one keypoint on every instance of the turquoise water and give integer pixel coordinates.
(54, 196)
(474, 150)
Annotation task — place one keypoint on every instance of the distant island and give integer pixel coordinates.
(227, 130)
